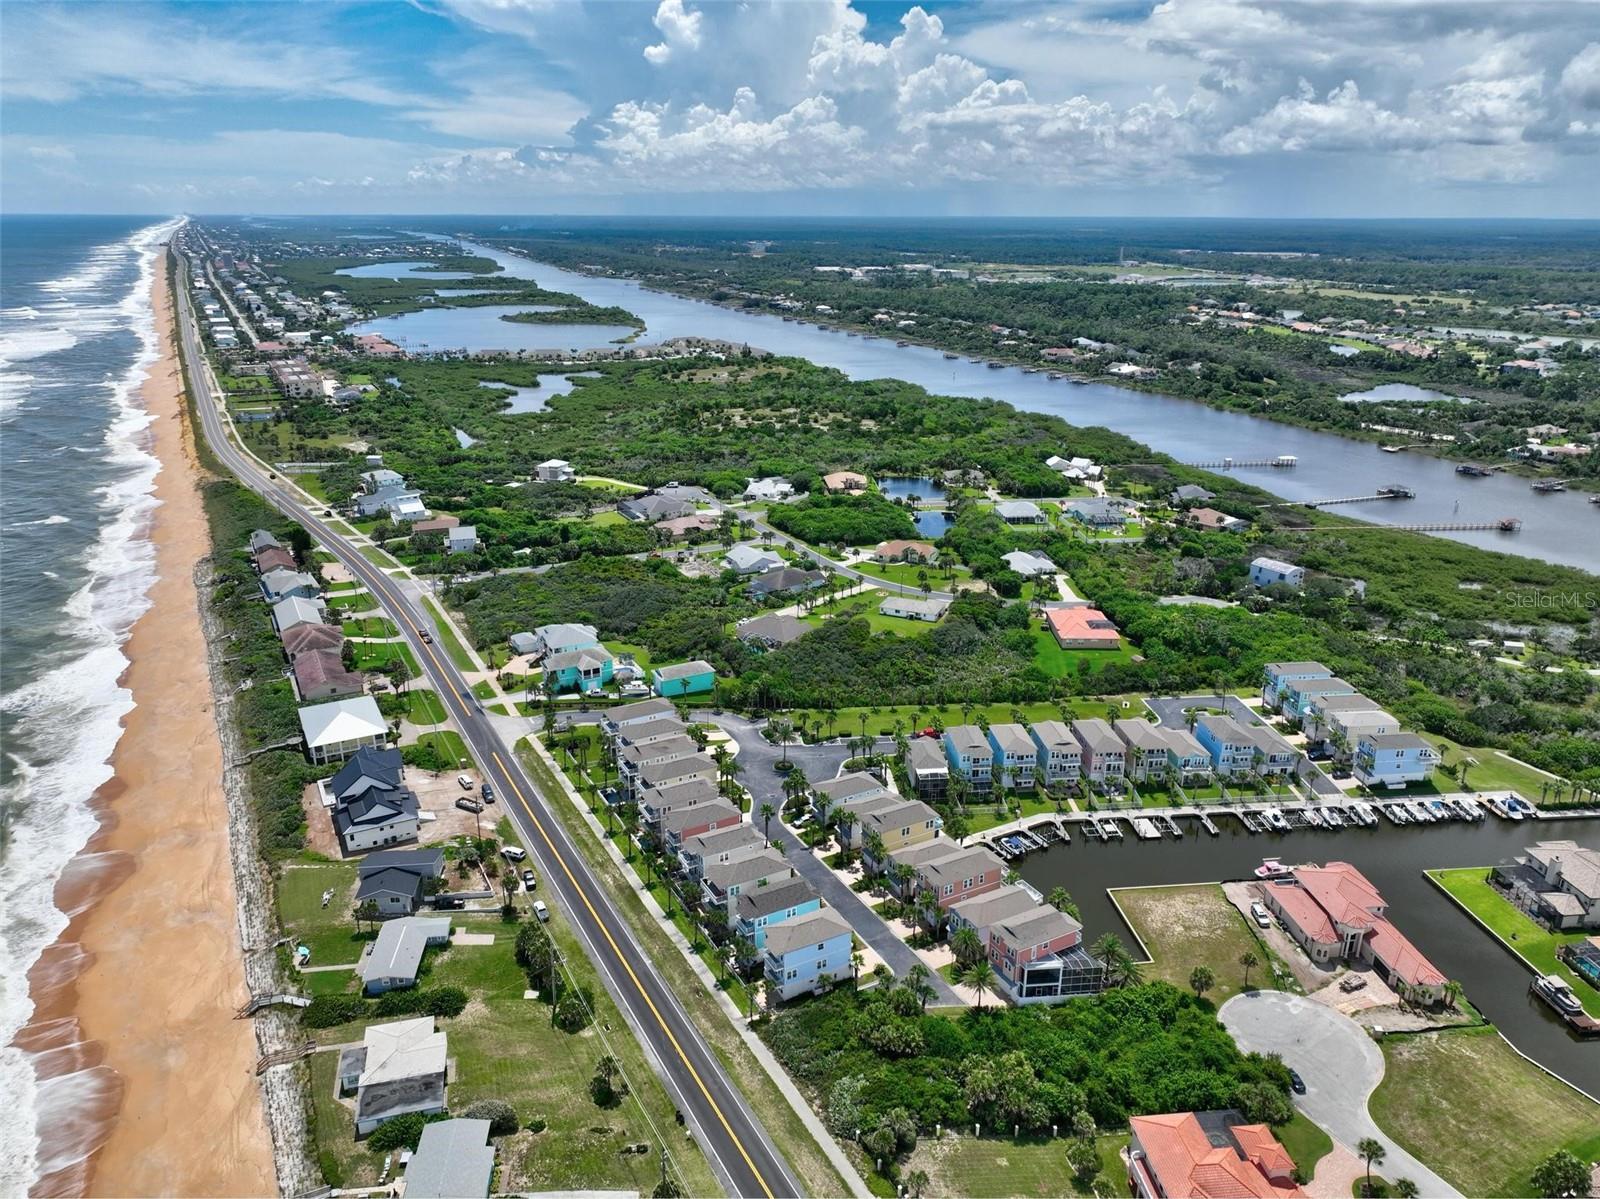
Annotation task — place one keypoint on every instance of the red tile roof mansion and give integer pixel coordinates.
(1174, 1157)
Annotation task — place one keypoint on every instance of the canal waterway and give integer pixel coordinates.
(1561, 528)
(1394, 859)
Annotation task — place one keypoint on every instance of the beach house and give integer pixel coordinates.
(1015, 756)
(914, 552)
(770, 489)
(927, 768)
(397, 1069)
(333, 731)
(614, 720)
(372, 807)
(296, 609)
(1019, 512)
(750, 560)
(1267, 572)
(581, 670)
(684, 678)
(1280, 674)
(391, 962)
(807, 953)
(828, 795)
(759, 908)
(1037, 957)
(1393, 759)
(1146, 749)
(634, 757)
(1029, 566)
(1058, 758)
(398, 880)
(970, 755)
(555, 470)
(280, 584)
(695, 854)
(452, 1160)
(1295, 699)
(1557, 881)
(897, 823)
(557, 639)
(1104, 755)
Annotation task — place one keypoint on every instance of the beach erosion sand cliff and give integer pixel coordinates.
(147, 1081)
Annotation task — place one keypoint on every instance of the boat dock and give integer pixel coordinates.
(1281, 462)
(1506, 524)
(1395, 492)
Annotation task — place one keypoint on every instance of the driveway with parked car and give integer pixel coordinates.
(1341, 1066)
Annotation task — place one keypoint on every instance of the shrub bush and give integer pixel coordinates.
(501, 1115)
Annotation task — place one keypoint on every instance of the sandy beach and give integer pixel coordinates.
(155, 1079)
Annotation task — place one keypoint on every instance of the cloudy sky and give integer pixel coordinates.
(1202, 107)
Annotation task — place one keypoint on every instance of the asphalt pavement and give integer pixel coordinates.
(1341, 1066)
(737, 1146)
(756, 757)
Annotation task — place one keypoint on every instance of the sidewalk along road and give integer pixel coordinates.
(738, 1148)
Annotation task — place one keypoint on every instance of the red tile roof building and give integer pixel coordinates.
(1335, 912)
(1174, 1157)
(1082, 628)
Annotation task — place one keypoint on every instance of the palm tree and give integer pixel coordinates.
(843, 822)
(980, 978)
(767, 813)
(1061, 901)
(1372, 1152)
(783, 731)
(917, 983)
(1108, 948)
(1249, 961)
(966, 945)
(1404, 1188)
(1201, 980)
(916, 1181)
(1453, 992)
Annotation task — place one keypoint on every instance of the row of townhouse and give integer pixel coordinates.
(1243, 749)
(1020, 757)
(803, 946)
(1338, 719)
(871, 816)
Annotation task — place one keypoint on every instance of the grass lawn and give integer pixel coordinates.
(377, 557)
(1306, 1143)
(601, 519)
(1535, 944)
(1188, 926)
(329, 931)
(459, 654)
(450, 746)
(360, 601)
(424, 707)
(1058, 663)
(640, 655)
(1492, 772)
(1002, 1167)
(505, 1047)
(483, 689)
(1481, 1115)
(369, 626)
(983, 815)
(910, 574)
(815, 1172)
(866, 607)
(375, 655)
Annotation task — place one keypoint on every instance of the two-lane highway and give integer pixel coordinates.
(739, 1149)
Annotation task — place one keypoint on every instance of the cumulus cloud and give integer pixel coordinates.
(680, 31)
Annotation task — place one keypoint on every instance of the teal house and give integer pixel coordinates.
(684, 678)
(578, 670)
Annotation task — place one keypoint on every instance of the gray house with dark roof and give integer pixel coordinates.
(396, 879)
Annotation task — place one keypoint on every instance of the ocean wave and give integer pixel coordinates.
(68, 723)
(56, 519)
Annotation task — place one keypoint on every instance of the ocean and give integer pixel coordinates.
(76, 478)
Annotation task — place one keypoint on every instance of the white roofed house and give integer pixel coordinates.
(463, 539)
(750, 560)
(397, 1069)
(334, 731)
(1020, 512)
(771, 488)
(392, 961)
(1028, 565)
(929, 609)
(280, 584)
(1266, 572)
(555, 470)
(297, 609)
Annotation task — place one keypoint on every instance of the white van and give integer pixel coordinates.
(513, 853)
(465, 781)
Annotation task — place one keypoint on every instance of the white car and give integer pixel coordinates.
(465, 781)
(541, 911)
(513, 853)
(1259, 914)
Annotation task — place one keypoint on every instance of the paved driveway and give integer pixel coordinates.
(756, 756)
(1341, 1066)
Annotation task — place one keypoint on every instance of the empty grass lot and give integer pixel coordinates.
(447, 638)
(866, 607)
(329, 931)
(424, 707)
(1481, 1115)
(1189, 926)
(1535, 944)
(375, 655)
(505, 1047)
(1003, 1167)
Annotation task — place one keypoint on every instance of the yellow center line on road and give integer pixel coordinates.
(583, 895)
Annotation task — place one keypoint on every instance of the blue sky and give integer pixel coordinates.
(1184, 107)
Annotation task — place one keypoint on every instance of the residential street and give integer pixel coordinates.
(1341, 1066)
(756, 758)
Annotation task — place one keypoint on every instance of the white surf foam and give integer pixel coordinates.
(77, 709)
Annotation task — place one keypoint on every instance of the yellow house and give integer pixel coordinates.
(901, 823)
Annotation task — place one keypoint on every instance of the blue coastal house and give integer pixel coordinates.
(760, 908)
(1393, 759)
(970, 755)
(1280, 674)
(684, 678)
(807, 953)
(578, 670)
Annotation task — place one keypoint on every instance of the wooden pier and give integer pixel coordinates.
(282, 1057)
(1281, 462)
(1506, 524)
(256, 1003)
(1384, 493)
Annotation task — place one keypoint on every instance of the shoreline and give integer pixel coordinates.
(132, 1036)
